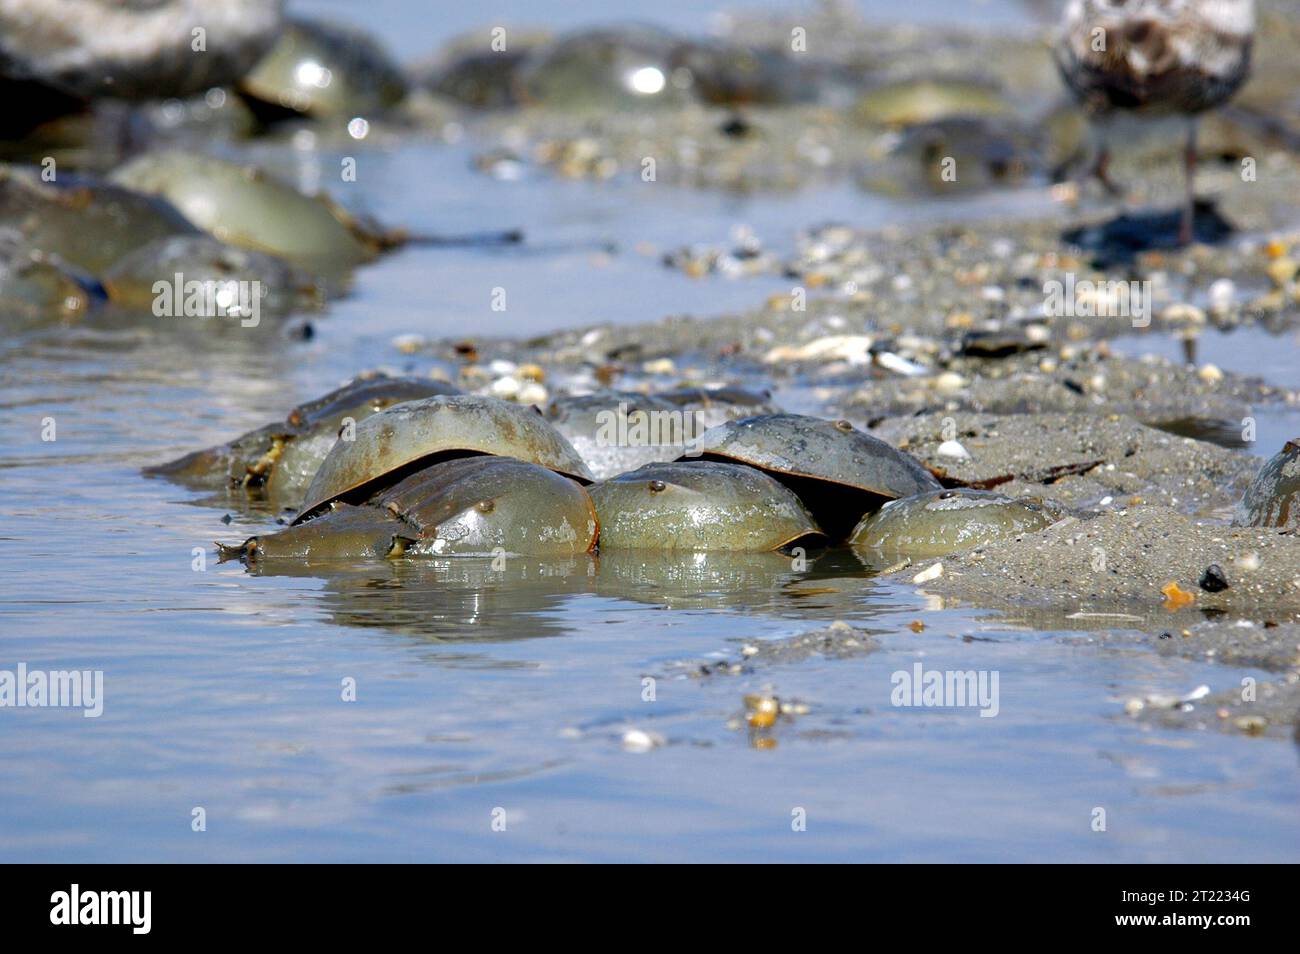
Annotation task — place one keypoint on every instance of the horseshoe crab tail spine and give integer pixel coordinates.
(471, 240)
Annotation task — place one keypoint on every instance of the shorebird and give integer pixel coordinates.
(1155, 58)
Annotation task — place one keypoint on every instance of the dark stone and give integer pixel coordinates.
(735, 127)
(1213, 580)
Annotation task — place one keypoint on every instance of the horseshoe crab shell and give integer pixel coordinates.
(89, 224)
(318, 424)
(838, 472)
(323, 70)
(470, 506)
(136, 50)
(479, 78)
(201, 258)
(700, 505)
(1273, 497)
(478, 505)
(417, 433)
(912, 101)
(618, 431)
(945, 521)
(630, 67)
(281, 459)
(245, 206)
(714, 406)
(35, 287)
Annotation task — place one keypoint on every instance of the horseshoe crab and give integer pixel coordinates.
(617, 431)
(700, 505)
(604, 69)
(469, 506)
(323, 70)
(1273, 497)
(728, 74)
(278, 461)
(837, 471)
(478, 78)
(137, 50)
(247, 207)
(182, 260)
(945, 521)
(990, 153)
(415, 434)
(35, 287)
(89, 224)
(912, 101)
(712, 406)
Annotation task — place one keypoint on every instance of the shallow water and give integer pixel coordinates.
(1249, 351)
(480, 690)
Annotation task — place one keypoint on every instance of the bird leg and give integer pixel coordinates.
(1101, 172)
(1186, 229)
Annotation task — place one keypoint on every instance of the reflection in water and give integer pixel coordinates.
(485, 599)
(453, 599)
(829, 581)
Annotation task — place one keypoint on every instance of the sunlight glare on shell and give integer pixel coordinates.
(647, 80)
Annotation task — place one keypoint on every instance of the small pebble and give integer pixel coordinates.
(410, 344)
(932, 573)
(506, 387)
(950, 382)
(1213, 580)
(1251, 725)
(953, 449)
(532, 393)
(1221, 294)
(763, 711)
(1282, 271)
(1183, 313)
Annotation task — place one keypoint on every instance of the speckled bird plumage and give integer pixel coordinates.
(1159, 56)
